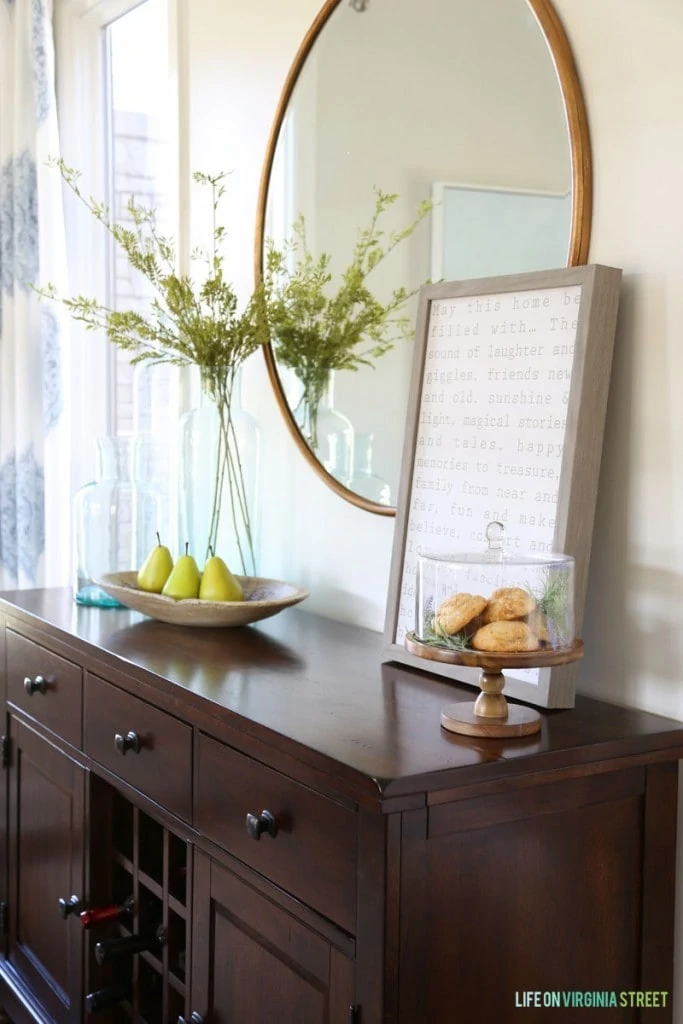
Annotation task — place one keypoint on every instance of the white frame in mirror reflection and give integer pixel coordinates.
(521, 220)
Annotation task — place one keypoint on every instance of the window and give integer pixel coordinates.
(116, 75)
(143, 400)
(138, 143)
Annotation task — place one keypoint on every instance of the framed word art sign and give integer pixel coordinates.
(505, 423)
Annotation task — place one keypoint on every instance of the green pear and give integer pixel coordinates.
(156, 569)
(218, 583)
(184, 580)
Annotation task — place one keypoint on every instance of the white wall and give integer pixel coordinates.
(629, 59)
(628, 55)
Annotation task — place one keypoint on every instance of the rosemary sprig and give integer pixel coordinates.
(458, 642)
(552, 600)
(435, 636)
(554, 594)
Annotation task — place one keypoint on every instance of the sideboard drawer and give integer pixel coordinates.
(313, 854)
(145, 747)
(45, 686)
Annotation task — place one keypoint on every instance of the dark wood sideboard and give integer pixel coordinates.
(415, 875)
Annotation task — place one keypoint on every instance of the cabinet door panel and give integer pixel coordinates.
(286, 995)
(542, 896)
(46, 803)
(254, 962)
(3, 786)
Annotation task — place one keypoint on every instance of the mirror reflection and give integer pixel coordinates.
(456, 102)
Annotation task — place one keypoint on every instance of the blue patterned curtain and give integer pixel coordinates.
(34, 434)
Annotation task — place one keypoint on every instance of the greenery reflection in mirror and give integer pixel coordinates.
(319, 327)
(471, 131)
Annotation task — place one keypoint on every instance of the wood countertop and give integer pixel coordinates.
(302, 681)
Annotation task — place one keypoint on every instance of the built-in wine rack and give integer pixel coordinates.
(133, 855)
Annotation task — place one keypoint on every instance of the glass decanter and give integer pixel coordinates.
(115, 519)
(156, 399)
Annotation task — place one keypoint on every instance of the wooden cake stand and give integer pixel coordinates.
(490, 714)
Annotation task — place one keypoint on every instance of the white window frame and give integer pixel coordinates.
(83, 108)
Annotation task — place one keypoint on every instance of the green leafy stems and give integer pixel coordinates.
(554, 594)
(189, 323)
(315, 329)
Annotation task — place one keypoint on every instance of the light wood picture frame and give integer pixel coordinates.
(505, 421)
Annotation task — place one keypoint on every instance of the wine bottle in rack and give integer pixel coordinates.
(105, 998)
(113, 912)
(110, 950)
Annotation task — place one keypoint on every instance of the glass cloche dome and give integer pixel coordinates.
(494, 601)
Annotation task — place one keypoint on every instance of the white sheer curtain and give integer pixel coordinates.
(34, 374)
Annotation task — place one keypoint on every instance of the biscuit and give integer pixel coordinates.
(538, 624)
(457, 611)
(505, 636)
(509, 603)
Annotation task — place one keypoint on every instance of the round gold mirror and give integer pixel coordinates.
(472, 105)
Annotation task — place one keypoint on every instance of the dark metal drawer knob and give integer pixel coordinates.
(263, 822)
(71, 905)
(131, 741)
(37, 685)
(195, 1018)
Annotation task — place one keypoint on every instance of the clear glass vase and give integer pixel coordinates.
(218, 492)
(156, 399)
(364, 481)
(329, 433)
(115, 518)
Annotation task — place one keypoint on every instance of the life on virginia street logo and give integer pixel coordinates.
(559, 999)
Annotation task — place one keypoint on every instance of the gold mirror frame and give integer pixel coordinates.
(582, 192)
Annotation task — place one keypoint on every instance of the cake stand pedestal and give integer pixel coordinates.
(490, 714)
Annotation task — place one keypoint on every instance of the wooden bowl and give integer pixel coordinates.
(263, 598)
